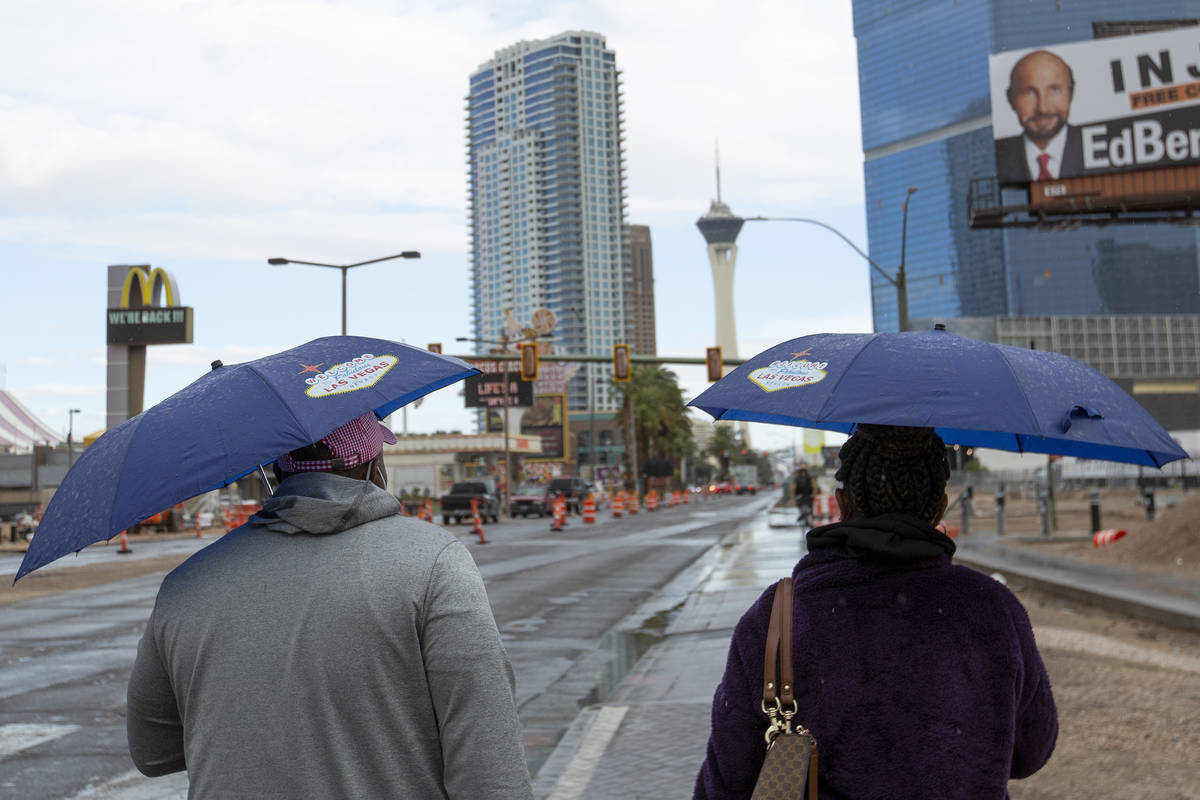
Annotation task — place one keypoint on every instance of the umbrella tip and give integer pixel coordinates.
(217, 363)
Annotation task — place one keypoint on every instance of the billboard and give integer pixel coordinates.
(547, 419)
(141, 318)
(1096, 107)
(487, 390)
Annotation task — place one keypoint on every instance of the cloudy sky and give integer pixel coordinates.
(207, 137)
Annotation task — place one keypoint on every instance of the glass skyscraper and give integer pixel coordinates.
(547, 201)
(926, 123)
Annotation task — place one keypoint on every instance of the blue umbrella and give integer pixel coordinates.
(975, 393)
(224, 426)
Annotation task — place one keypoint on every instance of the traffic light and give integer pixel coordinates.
(529, 361)
(620, 363)
(434, 347)
(712, 357)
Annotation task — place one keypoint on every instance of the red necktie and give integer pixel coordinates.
(1043, 172)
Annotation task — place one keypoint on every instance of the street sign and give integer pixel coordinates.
(487, 390)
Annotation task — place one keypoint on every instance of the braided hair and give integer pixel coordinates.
(888, 468)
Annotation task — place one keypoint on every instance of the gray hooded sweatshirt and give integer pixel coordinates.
(328, 648)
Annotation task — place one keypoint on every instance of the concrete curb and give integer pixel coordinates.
(1164, 609)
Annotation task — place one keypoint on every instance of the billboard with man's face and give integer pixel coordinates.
(1095, 107)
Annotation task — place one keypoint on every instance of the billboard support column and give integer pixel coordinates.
(143, 309)
(507, 493)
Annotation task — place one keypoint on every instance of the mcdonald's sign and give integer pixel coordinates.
(142, 318)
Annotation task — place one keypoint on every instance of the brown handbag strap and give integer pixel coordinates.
(777, 659)
(778, 680)
(786, 683)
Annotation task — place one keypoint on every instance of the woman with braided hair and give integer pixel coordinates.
(917, 677)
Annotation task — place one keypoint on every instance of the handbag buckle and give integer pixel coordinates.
(779, 720)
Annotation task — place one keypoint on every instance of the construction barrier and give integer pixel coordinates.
(652, 500)
(633, 502)
(589, 509)
(618, 505)
(825, 508)
(475, 521)
(1106, 537)
(428, 509)
(197, 515)
(124, 545)
(559, 519)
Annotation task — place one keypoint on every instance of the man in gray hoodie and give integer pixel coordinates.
(328, 648)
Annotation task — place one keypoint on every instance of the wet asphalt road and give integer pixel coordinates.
(568, 604)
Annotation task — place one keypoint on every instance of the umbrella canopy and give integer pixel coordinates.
(224, 426)
(975, 393)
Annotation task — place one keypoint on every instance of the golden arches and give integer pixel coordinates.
(150, 284)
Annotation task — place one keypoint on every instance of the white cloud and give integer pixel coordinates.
(210, 136)
(228, 108)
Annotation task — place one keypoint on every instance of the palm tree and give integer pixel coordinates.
(662, 431)
(722, 445)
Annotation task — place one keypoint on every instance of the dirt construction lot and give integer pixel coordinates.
(1128, 692)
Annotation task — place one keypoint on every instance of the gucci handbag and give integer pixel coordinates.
(790, 767)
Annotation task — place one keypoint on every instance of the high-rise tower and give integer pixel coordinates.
(641, 291)
(547, 200)
(720, 229)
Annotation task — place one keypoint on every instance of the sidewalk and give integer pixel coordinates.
(647, 738)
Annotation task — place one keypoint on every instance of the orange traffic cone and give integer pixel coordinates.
(652, 500)
(478, 524)
(589, 509)
(633, 502)
(618, 505)
(559, 520)
(125, 548)
(1106, 537)
(429, 509)
(198, 536)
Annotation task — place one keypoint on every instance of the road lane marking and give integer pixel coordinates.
(578, 774)
(133, 785)
(19, 736)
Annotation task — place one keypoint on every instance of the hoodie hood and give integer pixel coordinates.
(320, 503)
(896, 538)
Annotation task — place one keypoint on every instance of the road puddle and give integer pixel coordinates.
(624, 648)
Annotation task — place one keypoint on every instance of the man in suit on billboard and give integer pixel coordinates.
(1040, 89)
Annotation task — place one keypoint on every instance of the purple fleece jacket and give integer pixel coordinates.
(918, 677)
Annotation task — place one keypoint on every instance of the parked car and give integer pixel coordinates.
(574, 490)
(457, 504)
(527, 501)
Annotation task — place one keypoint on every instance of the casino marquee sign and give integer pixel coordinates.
(142, 317)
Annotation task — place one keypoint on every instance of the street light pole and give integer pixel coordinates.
(504, 343)
(71, 412)
(344, 268)
(900, 282)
